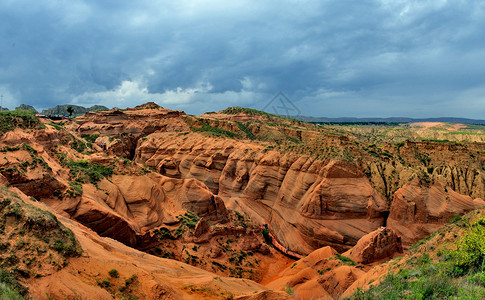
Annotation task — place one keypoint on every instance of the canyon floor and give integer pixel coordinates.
(152, 203)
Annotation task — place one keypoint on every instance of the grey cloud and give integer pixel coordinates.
(371, 56)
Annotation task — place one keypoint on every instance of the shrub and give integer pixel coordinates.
(249, 134)
(130, 280)
(470, 249)
(113, 273)
(79, 145)
(267, 237)
(289, 290)
(90, 137)
(104, 284)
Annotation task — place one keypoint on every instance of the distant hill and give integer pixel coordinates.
(27, 107)
(388, 120)
(77, 110)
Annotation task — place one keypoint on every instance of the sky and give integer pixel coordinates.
(361, 58)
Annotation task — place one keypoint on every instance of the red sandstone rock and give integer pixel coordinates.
(379, 244)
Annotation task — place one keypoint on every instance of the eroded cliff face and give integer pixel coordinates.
(120, 130)
(308, 203)
(419, 209)
(127, 207)
(198, 189)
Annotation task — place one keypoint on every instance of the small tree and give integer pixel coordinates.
(70, 110)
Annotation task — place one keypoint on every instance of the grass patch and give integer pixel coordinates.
(254, 112)
(8, 149)
(35, 239)
(346, 260)
(249, 134)
(84, 171)
(79, 145)
(214, 130)
(56, 126)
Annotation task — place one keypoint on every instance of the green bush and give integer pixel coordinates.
(470, 249)
(266, 236)
(7, 149)
(113, 273)
(189, 219)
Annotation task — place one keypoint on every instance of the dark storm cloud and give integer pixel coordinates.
(332, 58)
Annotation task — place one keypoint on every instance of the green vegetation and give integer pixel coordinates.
(266, 236)
(187, 221)
(446, 141)
(35, 238)
(254, 112)
(163, 233)
(56, 126)
(248, 111)
(10, 287)
(240, 220)
(289, 290)
(68, 248)
(214, 130)
(84, 171)
(113, 273)
(90, 137)
(243, 127)
(455, 219)
(8, 148)
(9, 120)
(346, 260)
(423, 241)
(457, 272)
(126, 288)
(75, 189)
(79, 145)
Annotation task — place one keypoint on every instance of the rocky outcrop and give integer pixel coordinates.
(201, 227)
(125, 127)
(127, 207)
(337, 280)
(377, 245)
(419, 209)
